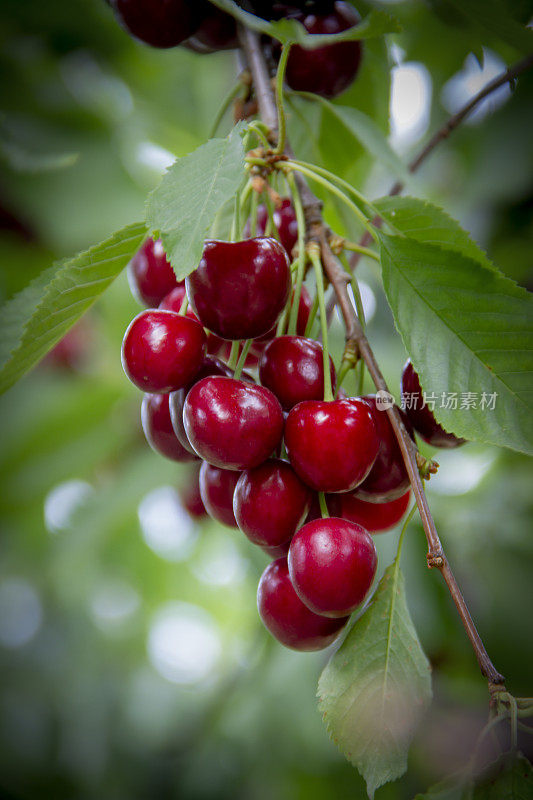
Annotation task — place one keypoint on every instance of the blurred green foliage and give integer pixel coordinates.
(88, 121)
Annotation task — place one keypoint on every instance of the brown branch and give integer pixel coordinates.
(355, 337)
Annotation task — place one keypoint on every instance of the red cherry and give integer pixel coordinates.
(286, 617)
(157, 427)
(173, 302)
(276, 552)
(329, 70)
(332, 563)
(293, 368)
(162, 351)
(251, 361)
(217, 31)
(388, 478)
(190, 497)
(284, 220)
(331, 444)
(210, 366)
(160, 23)
(304, 311)
(420, 415)
(231, 423)
(216, 489)
(270, 503)
(375, 517)
(150, 275)
(240, 289)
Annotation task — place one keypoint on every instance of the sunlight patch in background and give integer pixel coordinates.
(221, 564)
(20, 612)
(459, 471)
(62, 502)
(166, 527)
(470, 80)
(410, 103)
(184, 643)
(112, 603)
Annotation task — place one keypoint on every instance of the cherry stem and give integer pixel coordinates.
(318, 234)
(314, 255)
(323, 505)
(300, 218)
(272, 228)
(242, 359)
(256, 129)
(280, 77)
(184, 306)
(312, 316)
(234, 354)
(253, 214)
(353, 247)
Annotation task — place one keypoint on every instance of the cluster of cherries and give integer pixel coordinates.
(196, 408)
(202, 27)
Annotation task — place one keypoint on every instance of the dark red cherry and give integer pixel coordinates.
(285, 221)
(216, 489)
(217, 31)
(331, 444)
(150, 275)
(388, 478)
(240, 289)
(277, 552)
(157, 427)
(332, 563)
(231, 423)
(160, 23)
(329, 70)
(286, 617)
(174, 300)
(293, 368)
(304, 312)
(162, 351)
(270, 503)
(189, 492)
(374, 517)
(209, 366)
(420, 415)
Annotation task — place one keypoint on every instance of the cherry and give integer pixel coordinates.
(160, 23)
(375, 517)
(388, 478)
(329, 70)
(150, 275)
(331, 444)
(157, 427)
(420, 415)
(293, 368)
(174, 300)
(285, 221)
(217, 31)
(209, 366)
(332, 563)
(216, 490)
(240, 289)
(270, 503)
(231, 423)
(162, 351)
(286, 617)
(304, 312)
(190, 497)
(276, 552)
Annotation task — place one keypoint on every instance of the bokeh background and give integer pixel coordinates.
(133, 663)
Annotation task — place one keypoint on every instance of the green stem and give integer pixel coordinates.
(314, 255)
(353, 247)
(242, 359)
(280, 76)
(257, 129)
(300, 218)
(232, 94)
(184, 306)
(253, 214)
(271, 229)
(323, 505)
(234, 354)
(342, 373)
(402, 536)
(312, 315)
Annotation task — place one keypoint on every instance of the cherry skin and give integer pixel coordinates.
(190, 497)
(332, 445)
(388, 478)
(332, 563)
(150, 275)
(286, 617)
(160, 23)
(284, 220)
(293, 368)
(276, 552)
(216, 490)
(240, 289)
(162, 351)
(217, 31)
(329, 70)
(157, 427)
(231, 423)
(209, 366)
(270, 503)
(420, 416)
(374, 517)
(304, 312)
(174, 300)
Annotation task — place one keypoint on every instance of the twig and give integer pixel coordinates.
(355, 337)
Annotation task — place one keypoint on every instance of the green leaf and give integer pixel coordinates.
(33, 321)
(467, 328)
(377, 685)
(427, 222)
(508, 778)
(493, 16)
(367, 133)
(184, 205)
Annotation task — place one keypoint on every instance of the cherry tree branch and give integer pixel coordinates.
(318, 232)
